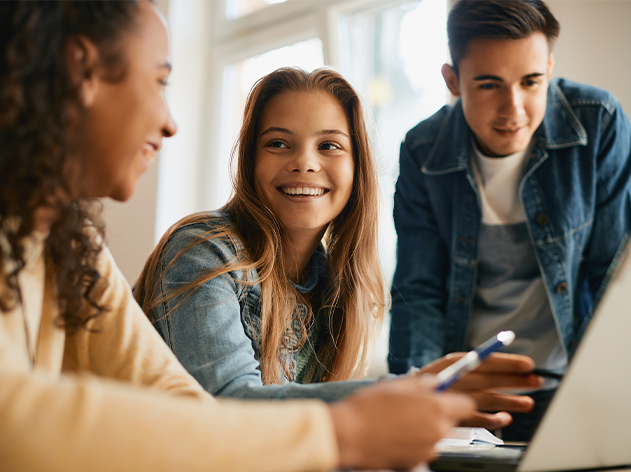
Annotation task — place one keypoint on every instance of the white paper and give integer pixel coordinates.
(479, 438)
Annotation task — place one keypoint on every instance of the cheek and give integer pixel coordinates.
(538, 108)
(346, 176)
(262, 177)
(478, 110)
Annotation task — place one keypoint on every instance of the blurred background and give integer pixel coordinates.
(390, 50)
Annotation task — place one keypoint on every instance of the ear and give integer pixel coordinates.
(550, 65)
(451, 79)
(82, 59)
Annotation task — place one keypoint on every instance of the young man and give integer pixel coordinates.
(511, 203)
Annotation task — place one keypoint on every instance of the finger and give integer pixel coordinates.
(439, 364)
(490, 421)
(458, 406)
(505, 362)
(496, 362)
(429, 381)
(487, 401)
(425, 383)
(486, 380)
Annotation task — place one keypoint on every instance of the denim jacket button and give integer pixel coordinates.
(561, 288)
(542, 219)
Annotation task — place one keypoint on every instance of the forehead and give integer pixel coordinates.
(148, 42)
(305, 109)
(506, 58)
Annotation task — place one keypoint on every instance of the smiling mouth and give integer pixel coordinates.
(303, 191)
(508, 130)
(149, 153)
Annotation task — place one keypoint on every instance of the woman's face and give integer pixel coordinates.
(304, 163)
(127, 119)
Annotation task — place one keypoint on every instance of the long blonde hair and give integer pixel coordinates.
(355, 301)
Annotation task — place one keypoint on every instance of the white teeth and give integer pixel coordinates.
(303, 191)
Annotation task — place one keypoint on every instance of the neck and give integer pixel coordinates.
(302, 247)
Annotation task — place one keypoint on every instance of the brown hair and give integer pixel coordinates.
(356, 299)
(497, 19)
(36, 101)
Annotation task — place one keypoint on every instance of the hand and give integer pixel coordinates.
(499, 371)
(394, 425)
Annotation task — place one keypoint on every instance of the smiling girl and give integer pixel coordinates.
(279, 294)
(283, 284)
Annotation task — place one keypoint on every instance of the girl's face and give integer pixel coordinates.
(127, 119)
(304, 164)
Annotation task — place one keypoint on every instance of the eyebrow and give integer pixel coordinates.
(323, 132)
(499, 79)
(332, 131)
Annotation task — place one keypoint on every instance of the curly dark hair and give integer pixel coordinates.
(36, 101)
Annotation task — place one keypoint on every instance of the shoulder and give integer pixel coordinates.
(427, 131)
(579, 96)
(206, 237)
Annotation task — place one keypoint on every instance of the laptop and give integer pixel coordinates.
(587, 425)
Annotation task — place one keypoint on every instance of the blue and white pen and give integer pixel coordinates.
(448, 376)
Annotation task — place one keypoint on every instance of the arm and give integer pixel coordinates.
(419, 285)
(122, 344)
(84, 422)
(80, 422)
(206, 331)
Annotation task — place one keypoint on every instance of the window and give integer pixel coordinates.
(393, 55)
(238, 8)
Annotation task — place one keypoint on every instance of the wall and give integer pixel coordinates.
(592, 48)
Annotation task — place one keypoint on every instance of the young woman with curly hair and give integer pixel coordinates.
(279, 294)
(86, 383)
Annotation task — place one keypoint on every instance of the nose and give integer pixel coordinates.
(304, 160)
(170, 128)
(512, 104)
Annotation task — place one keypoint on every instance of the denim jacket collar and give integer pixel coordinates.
(560, 128)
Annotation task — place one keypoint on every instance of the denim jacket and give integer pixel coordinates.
(216, 331)
(576, 194)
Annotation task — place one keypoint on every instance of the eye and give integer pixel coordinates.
(163, 82)
(277, 145)
(487, 86)
(330, 147)
(530, 82)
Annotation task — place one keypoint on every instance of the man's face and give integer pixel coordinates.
(503, 85)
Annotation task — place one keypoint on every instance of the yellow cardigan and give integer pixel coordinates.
(116, 399)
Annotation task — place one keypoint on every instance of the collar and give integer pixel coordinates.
(560, 128)
(316, 267)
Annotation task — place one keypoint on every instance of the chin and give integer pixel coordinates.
(122, 194)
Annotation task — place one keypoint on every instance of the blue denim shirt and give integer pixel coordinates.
(576, 194)
(216, 331)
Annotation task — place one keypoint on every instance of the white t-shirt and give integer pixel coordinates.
(510, 292)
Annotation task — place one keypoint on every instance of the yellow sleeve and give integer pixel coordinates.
(88, 424)
(99, 416)
(122, 344)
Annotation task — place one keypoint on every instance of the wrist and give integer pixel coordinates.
(345, 424)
